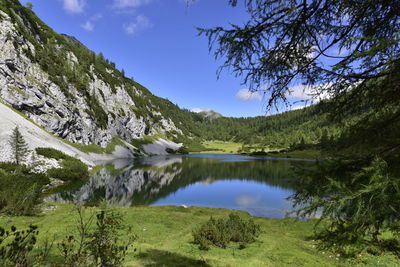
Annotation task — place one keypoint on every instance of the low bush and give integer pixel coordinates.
(51, 153)
(170, 150)
(220, 232)
(72, 169)
(20, 190)
(97, 243)
(16, 246)
(182, 150)
(100, 245)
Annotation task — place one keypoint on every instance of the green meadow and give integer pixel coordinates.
(164, 238)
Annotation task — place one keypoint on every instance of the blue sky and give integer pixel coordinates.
(156, 43)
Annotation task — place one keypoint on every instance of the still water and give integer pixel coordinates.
(257, 185)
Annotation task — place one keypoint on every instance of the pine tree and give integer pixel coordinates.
(29, 5)
(18, 145)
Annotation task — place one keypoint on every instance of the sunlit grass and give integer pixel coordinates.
(221, 147)
(165, 239)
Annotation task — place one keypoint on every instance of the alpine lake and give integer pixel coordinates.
(259, 185)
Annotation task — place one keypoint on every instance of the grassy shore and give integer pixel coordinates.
(164, 239)
(221, 147)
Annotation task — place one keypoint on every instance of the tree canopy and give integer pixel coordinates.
(328, 45)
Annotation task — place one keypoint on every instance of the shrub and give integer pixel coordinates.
(15, 246)
(72, 169)
(220, 232)
(182, 150)
(51, 153)
(19, 190)
(100, 246)
(170, 150)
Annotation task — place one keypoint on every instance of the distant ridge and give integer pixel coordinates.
(209, 114)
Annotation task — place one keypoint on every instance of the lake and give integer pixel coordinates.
(257, 185)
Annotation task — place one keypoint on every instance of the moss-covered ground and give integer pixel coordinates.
(164, 239)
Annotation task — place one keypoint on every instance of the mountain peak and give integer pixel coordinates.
(208, 113)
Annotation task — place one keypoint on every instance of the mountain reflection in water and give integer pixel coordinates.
(257, 185)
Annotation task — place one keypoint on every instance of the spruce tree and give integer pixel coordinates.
(18, 145)
(29, 5)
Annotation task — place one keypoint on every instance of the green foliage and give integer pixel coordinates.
(18, 145)
(358, 201)
(96, 111)
(16, 245)
(72, 169)
(271, 132)
(182, 150)
(100, 246)
(220, 232)
(138, 143)
(19, 189)
(104, 244)
(51, 153)
(94, 246)
(29, 5)
(289, 43)
(170, 150)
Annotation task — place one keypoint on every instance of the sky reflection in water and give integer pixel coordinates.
(259, 186)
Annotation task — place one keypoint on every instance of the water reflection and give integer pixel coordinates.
(259, 186)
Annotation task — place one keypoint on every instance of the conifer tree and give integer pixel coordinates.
(18, 145)
(29, 5)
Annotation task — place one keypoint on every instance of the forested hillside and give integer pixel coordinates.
(276, 131)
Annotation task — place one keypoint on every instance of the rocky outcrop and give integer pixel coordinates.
(35, 137)
(27, 87)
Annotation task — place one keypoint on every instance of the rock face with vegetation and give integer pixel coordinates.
(67, 89)
(125, 187)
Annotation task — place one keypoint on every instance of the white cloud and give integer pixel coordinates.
(312, 93)
(89, 24)
(300, 92)
(122, 4)
(300, 106)
(246, 95)
(141, 23)
(74, 6)
(246, 200)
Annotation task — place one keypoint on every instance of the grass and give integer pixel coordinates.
(165, 239)
(93, 148)
(221, 147)
(145, 140)
(17, 90)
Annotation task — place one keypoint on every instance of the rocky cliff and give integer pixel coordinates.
(69, 90)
